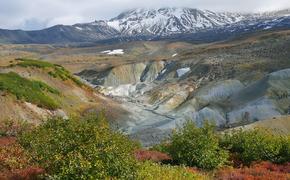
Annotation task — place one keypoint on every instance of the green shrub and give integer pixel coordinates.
(284, 154)
(257, 145)
(28, 90)
(63, 74)
(162, 147)
(54, 70)
(198, 147)
(152, 171)
(12, 127)
(81, 149)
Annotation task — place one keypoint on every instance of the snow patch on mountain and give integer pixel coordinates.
(79, 28)
(113, 52)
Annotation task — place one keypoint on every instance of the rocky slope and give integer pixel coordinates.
(278, 125)
(231, 84)
(71, 98)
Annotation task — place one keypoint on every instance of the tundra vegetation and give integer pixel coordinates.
(32, 91)
(88, 148)
(53, 70)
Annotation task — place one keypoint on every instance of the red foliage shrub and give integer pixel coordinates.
(258, 171)
(193, 170)
(5, 141)
(236, 161)
(285, 168)
(30, 173)
(12, 155)
(27, 174)
(155, 156)
(14, 163)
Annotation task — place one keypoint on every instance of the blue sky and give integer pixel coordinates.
(38, 14)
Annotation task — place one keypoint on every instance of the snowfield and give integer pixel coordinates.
(174, 55)
(113, 52)
(182, 71)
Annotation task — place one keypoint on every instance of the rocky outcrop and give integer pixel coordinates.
(254, 111)
(124, 74)
(220, 91)
(152, 71)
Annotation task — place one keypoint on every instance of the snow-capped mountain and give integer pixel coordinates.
(168, 21)
(148, 24)
(279, 13)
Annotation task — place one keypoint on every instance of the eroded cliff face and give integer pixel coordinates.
(161, 95)
(124, 74)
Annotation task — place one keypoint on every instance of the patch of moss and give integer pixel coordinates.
(54, 70)
(30, 91)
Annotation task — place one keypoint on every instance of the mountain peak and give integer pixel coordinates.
(166, 21)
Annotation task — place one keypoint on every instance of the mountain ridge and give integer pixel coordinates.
(166, 21)
(153, 24)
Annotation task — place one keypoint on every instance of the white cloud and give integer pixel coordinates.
(36, 14)
(69, 19)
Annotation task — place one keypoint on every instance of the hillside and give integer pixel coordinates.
(278, 125)
(33, 91)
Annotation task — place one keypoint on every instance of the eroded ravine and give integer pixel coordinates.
(160, 96)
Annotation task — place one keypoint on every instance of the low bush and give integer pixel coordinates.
(81, 149)
(162, 147)
(206, 149)
(14, 162)
(28, 90)
(155, 156)
(10, 127)
(153, 171)
(63, 74)
(197, 147)
(12, 155)
(31, 173)
(259, 171)
(257, 145)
